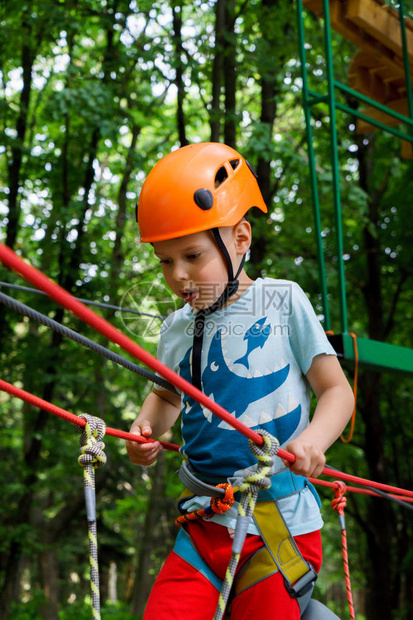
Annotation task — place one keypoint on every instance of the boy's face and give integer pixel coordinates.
(194, 267)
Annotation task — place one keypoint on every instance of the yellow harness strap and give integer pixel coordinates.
(280, 553)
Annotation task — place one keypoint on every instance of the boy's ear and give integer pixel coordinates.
(242, 236)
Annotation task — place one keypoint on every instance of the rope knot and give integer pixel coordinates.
(91, 446)
(268, 448)
(258, 479)
(222, 504)
(340, 501)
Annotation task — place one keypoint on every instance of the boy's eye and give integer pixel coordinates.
(164, 261)
(193, 256)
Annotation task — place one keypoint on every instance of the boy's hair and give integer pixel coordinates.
(195, 188)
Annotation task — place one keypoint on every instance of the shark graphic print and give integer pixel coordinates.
(256, 353)
(241, 393)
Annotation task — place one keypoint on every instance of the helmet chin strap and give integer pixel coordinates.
(230, 290)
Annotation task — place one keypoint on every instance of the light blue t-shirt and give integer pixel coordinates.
(255, 355)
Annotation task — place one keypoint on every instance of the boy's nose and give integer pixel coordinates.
(179, 272)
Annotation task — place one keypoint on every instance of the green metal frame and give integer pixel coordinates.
(372, 353)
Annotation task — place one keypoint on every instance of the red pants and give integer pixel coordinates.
(182, 593)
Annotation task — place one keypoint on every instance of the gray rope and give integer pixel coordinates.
(380, 492)
(85, 301)
(93, 346)
(253, 482)
(91, 457)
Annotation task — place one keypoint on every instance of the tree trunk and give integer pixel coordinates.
(179, 83)
(32, 446)
(14, 166)
(215, 113)
(230, 76)
(381, 529)
(380, 517)
(11, 587)
(49, 579)
(271, 65)
(121, 216)
(148, 537)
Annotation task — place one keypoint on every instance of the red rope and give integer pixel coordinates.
(64, 298)
(402, 494)
(326, 483)
(56, 292)
(339, 503)
(74, 419)
(217, 505)
(364, 481)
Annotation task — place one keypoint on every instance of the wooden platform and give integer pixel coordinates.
(377, 69)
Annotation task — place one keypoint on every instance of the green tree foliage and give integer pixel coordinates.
(92, 94)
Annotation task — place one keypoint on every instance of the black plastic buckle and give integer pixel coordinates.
(303, 585)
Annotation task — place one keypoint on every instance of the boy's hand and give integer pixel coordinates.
(142, 453)
(309, 460)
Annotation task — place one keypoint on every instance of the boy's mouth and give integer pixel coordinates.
(188, 295)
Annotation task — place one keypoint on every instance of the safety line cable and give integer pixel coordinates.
(93, 346)
(87, 302)
(61, 296)
(70, 417)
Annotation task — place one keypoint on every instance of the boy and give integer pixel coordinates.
(255, 347)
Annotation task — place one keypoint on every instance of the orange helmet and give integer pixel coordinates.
(197, 187)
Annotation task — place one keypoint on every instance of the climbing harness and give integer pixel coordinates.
(91, 457)
(280, 551)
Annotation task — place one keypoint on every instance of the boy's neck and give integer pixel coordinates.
(244, 284)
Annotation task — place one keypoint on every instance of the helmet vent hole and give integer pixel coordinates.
(220, 176)
(234, 163)
(252, 169)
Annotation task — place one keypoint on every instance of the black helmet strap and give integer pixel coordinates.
(230, 290)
